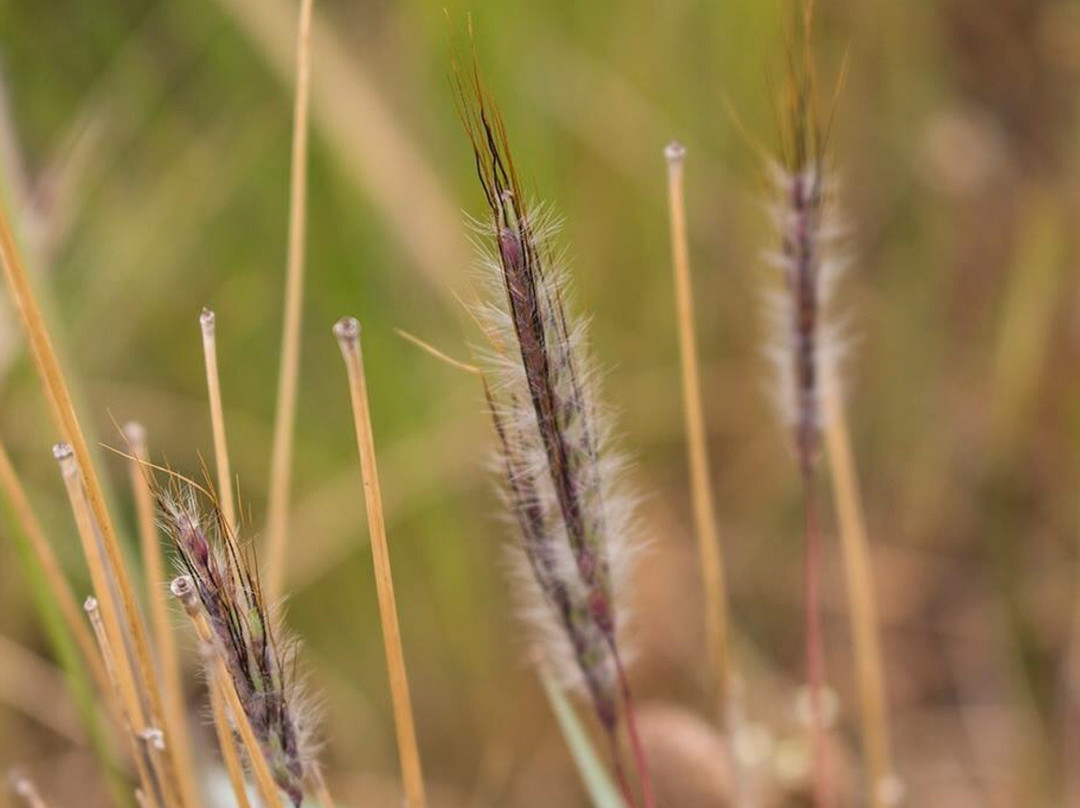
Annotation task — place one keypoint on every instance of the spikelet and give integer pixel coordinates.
(561, 481)
(807, 340)
(260, 663)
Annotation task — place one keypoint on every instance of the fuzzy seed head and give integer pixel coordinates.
(220, 579)
(560, 479)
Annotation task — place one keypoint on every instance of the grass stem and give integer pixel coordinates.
(67, 423)
(54, 576)
(708, 539)
(322, 792)
(347, 331)
(285, 417)
(636, 747)
(815, 644)
(227, 742)
(226, 495)
(184, 590)
(25, 790)
(150, 786)
(169, 669)
(862, 601)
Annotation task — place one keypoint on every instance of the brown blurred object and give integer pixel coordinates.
(688, 760)
(1005, 61)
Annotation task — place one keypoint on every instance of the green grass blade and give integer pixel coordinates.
(594, 773)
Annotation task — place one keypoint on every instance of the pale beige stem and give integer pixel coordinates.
(160, 622)
(708, 539)
(227, 743)
(281, 456)
(183, 588)
(322, 793)
(226, 495)
(347, 331)
(25, 790)
(882, 783)
(67, 423)
(54, 576)
(119, 667)
(151, 787)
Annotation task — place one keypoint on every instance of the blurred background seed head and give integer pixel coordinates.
(144, 151)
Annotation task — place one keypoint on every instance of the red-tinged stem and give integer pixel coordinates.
(815, 646)
(620, 771)
(632, 731)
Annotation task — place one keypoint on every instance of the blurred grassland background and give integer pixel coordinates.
(145, 149)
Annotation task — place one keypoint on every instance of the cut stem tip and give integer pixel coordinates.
(675, 152)
(206, 320)
(134, 434)
(183, 589)
(63, 454)
(347, 329)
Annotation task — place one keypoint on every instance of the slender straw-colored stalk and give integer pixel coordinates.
(184, 591)
(227, 743)
(815, 643)
(863, 604)
(63, 412)
(151, 787)
(322, 793)
(712, 562)
(50, 566)
(160, 621)
(226, 496)
(25, 789)
(118, 666)
(347, 331)
(281, 456)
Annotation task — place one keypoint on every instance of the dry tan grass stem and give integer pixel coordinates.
(184, 591)
(712, 562)
(322, 793)
(25, 790)
(160, 621)
(225, 493)
(347, 331)
(285, 417)
(150, 786)
(67, 423)
(227, 743)
(119, 667)
(862, 601)
(54, 576)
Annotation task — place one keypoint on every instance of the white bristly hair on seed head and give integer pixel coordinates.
(562, 481)
(806, 339)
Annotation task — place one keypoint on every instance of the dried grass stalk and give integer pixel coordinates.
(67, 423)
(160, 620)
(285, 417)
(186, 590)
(347, 331)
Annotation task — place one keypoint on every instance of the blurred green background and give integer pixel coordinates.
(145, 149)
